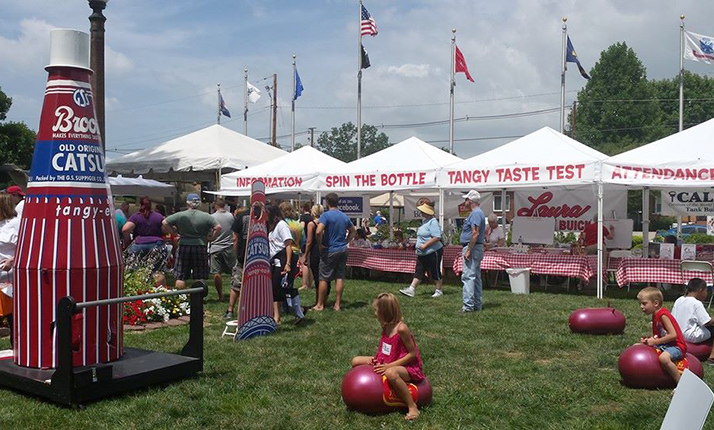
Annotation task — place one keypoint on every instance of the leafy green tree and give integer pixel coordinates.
(698, 101)
(17, 141)
(617, 108)
(341, 142)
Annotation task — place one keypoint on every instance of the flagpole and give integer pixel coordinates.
(292, 114)
(218, 117)
(245, 103)
(359, 81)
(452, 84)
(681, 72)
(562, 77)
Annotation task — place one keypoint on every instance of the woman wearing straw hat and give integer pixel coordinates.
(429, 250)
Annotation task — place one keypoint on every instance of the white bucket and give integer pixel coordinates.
(520, 280)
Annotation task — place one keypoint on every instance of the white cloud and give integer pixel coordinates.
(27, 52)
(410, 70)
(116, 62)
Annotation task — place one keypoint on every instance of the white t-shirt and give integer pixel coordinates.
(691, 317)
(9, 230)
(278, 236)
(19, 207)
(495, 235)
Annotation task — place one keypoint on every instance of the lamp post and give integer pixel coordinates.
(96, 61)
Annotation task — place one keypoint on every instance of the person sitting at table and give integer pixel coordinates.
(588, 237)
(494, 233)
(397, 243)
(361, 241)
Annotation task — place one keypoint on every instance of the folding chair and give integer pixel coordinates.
(690, 404)
(615, 253)
(700, 266)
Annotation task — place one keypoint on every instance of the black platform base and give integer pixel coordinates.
(136, 369)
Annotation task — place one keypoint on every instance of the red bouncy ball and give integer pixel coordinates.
(700, 350)
(639, 368)
(597, 321)
(363, 390)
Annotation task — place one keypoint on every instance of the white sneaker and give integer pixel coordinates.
(409, 291)
(437, 293)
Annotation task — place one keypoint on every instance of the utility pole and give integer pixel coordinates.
(275, 109)
(312, 136)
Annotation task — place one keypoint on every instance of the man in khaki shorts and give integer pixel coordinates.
(223, 257)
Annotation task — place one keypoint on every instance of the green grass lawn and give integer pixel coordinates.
(514, 365)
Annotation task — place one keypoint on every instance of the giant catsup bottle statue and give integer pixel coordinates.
(68, 243)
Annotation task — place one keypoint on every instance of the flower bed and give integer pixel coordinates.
(140, 278)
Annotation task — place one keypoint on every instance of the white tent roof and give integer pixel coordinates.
(542, 158)
(290, 173)
(139, 187)
(214, 147)
(407, 165)
(684, 159)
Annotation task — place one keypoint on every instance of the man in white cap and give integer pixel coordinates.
(472, 240)
(196, 228)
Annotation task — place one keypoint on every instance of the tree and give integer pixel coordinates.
(17, 141)
(617, 108)
(698, 104)
(341, 142)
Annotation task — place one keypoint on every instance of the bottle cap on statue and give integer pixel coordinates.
(68, 244)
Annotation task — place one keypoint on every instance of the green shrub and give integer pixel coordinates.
(699, 238)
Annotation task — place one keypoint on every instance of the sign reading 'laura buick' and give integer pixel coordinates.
(572, 210)
(688, 202)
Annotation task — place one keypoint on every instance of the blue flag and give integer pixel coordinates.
(572, 57)
(224, 109)
(298, 86)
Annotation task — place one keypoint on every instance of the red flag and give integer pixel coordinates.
(461, 65)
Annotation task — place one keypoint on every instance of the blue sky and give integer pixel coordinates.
(164, 58)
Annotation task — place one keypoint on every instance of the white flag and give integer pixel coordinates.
(698, 47)
(253, 93)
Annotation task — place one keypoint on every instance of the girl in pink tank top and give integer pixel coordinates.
(397, 357)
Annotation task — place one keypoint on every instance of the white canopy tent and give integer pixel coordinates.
(542, 159)
(213, 148)
(291, 173)
(681, 160)
(409, 165)
(140, 187)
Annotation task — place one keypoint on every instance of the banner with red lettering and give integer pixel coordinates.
(571, 209)
(380, 181)
(519, 176)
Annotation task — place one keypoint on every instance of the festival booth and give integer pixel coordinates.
(202, 155)
(408, 168)
(553, 179)
(290, 174)
(681, 166)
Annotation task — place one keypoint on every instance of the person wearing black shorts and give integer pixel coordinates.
(429, 250)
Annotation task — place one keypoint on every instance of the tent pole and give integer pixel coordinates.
(679, 226)
(645, 221)
(391, 215)
(441, 210)
(504, 210)
(600, 242)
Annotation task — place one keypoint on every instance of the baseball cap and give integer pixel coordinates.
(472, 195)
(14, 189)
(193, 197)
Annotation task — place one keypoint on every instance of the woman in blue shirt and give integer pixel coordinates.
(429, 251)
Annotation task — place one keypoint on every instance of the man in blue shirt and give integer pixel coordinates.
(472, 241)
(334, 232)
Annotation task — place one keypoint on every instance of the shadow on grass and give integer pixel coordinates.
(354, 305)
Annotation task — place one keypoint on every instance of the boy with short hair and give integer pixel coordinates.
(666, 334)
(694, 320)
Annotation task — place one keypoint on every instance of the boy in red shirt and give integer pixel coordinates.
(666, 334)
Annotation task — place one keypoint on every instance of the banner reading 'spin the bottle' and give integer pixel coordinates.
(68, 243)
(255, 314)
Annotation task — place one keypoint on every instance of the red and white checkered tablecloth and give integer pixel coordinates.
(394, 260)
(572, 266)
(633, 270)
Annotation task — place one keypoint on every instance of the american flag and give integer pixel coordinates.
(368, 26)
